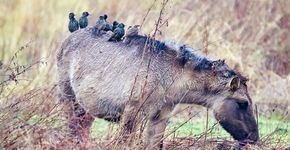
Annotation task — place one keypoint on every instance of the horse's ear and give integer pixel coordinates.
(234, 83)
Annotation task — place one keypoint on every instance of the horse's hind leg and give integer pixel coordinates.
(80, 122)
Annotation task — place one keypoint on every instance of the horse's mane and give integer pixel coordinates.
(184, 55)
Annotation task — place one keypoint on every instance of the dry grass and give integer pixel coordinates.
(253, 37)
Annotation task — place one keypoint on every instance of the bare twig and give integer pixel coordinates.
(206, 128)
(147, 13)
(159, 21)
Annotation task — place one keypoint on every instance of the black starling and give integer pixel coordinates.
(108, 26)
(84, 20)
(73, 23)
(105, 17)
(100, 25)
(119, 32)
(115, 24)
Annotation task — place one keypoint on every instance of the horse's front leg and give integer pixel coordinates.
(156, 128)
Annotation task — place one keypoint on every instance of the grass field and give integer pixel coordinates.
(252, 36)
(196, 127)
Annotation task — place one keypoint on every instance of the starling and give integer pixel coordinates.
(101, 22)
(119, 32)
(115, 24)
(73, 23)
(100, 25)
(105, 17)
(131, 32)
(84, 20)
(108, 26)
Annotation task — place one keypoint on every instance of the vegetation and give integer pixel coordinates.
(253, 37)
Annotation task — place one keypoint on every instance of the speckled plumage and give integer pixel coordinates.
(115, 24)
(73, 23)
(100, 25)
(108, 26)
(131, 32)
(105, 17)
(119, 32)
(84, 20)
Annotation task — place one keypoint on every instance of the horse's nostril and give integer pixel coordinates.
(243, 104)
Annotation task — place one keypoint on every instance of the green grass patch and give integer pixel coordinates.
(271, 129)
(102, 128)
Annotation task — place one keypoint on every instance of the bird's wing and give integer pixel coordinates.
(117, 31)
(133, 31)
